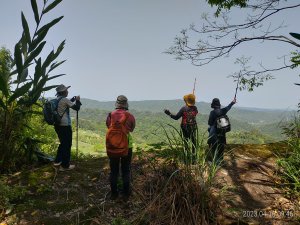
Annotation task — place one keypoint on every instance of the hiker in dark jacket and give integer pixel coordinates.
(125, 161)
(217, 141)
(64, 129)
(188, 114)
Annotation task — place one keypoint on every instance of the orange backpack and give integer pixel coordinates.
(116, 137)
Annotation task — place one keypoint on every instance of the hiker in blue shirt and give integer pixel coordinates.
(217, 141)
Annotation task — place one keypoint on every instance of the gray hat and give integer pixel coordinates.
(61, 88)
(121, 102)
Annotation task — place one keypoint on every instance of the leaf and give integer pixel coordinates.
(35, 11)
(38, 72)
(60, 48)
(52, 56)
(52, 5)
(23, 43)
(56, 64)
(2, 104)
(24, 75)
(3, 86)
(48, 88)
(13, 72)
(49, 25)
(34, 53)
(26, 29)
(295, 35)
(20, 92)
(37, 40)
(48, 60)
(18, 58)
(55, 76)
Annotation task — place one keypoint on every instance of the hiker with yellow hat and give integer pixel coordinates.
(188, 114)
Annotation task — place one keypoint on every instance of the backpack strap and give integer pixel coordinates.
(57, 108)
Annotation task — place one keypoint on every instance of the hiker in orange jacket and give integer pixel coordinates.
(188, 125)
(121, 107)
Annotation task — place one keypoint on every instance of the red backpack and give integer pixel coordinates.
(116, 137)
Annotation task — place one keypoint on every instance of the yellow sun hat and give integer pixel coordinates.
(189, 99)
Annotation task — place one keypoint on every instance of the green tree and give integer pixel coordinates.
(20, 89)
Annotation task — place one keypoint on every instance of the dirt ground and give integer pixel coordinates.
(254, 193)
(247, 185)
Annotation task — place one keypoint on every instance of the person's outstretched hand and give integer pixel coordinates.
(166, 111)
(234, 100)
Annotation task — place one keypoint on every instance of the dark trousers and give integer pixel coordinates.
(63, 155)
(114, 163)
(190, 133)
(217, 147)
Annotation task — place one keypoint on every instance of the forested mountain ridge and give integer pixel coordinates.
(249, 115)
(248, 126)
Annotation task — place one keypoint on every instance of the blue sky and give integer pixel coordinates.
(116, 47)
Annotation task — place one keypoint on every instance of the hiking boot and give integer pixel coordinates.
(56, 163)
(66, 169)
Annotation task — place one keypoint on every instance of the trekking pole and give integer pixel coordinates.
(77, 134)
(194, 86)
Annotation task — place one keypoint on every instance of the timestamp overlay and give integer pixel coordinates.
(278, 214)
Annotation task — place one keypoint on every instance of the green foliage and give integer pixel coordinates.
(20, 90)
(226, 4)
(290, 164)
(10, 195)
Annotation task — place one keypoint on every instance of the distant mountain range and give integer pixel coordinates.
(249, 115)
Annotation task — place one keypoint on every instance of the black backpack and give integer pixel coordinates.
(51, 115)
(223, 124)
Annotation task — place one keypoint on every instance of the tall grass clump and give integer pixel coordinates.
(290, 163)
(180, 187)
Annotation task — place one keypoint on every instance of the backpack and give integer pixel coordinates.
(190, 117)
(116, 137)
(51, 116)
(223, 124)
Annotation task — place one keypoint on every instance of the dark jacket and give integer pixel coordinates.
(214, 114)
(183, 114)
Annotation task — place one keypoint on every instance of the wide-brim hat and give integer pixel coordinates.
(215, 103)
(189, 99)
(122, 102)
(61, 88)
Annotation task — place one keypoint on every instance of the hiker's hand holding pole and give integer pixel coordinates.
(234, 101)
